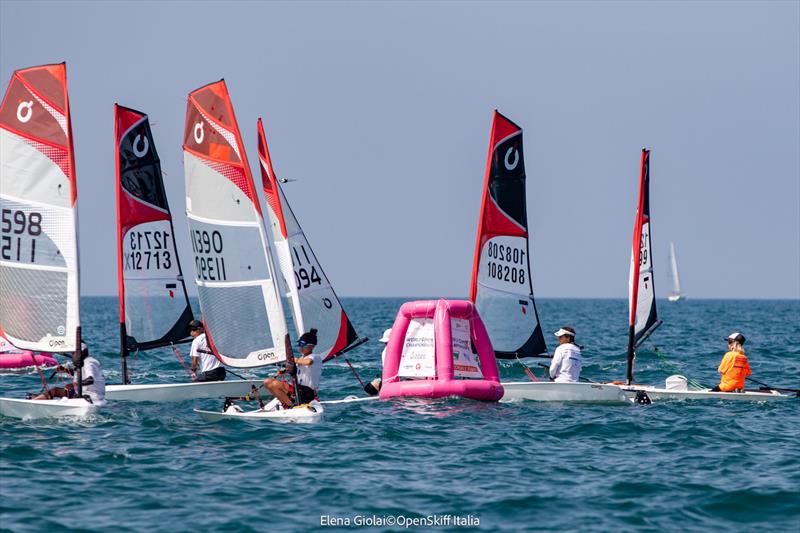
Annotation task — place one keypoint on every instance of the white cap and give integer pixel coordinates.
(563, 331)
(386, 334)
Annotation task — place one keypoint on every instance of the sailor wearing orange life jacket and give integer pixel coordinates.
(734, 366)
(566, 364)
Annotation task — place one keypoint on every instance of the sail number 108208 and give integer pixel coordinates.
(506, 263)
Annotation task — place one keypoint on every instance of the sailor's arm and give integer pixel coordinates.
(555, 364)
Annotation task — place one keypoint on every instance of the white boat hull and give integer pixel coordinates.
(176, 392)
(656, 394)
(305, 414)
(675, 297)
(32, 409)
(549, 391)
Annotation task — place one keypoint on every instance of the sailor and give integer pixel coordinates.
(734, 366)
(566, 364)
(92, 381)
(309, 372)
(210, 367)
(385, 341)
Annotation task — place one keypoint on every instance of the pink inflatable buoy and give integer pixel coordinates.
(429, 353)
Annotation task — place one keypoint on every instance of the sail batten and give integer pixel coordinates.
(39, 283)
(237, 287)
(314, 303)
(502, 285)
(154, 303)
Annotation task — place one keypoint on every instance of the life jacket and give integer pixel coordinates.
(734, 369)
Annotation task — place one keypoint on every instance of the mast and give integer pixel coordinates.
(123, 335)
(314, 303)
(502, 285)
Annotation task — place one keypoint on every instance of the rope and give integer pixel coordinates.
(672, 366)
(346, 360)
(527, 370)
(180, 358)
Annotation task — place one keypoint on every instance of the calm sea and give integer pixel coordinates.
(509, 467)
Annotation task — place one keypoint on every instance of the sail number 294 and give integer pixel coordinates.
(506, 263)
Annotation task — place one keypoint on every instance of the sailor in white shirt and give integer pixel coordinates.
(566, 364)
(309, 372)
(210, 367)
(93, 384)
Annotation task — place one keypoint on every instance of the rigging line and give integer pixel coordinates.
(675, 368)
(41, 375)
(235, 374)
(527, 370)
(346, 360)
(770, 386)
(180, 358)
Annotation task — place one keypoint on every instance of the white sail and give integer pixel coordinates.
(39, 293)
(675, 295)
(313, 301)
(238, 292)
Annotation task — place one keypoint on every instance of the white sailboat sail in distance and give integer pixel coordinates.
(676, 294)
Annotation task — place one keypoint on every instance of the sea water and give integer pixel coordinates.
(448, 465)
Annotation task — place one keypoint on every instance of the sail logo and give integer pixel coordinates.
(144, 142)
(145, 146)
(199, 135)
(22, 115)
(508, 163)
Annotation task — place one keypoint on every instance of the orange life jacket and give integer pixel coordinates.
(734, 369)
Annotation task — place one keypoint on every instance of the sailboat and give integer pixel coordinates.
(154, 309)
(676, 295)
(236, 281)
(643, 315)
(502, 285)
(39, 282)
(314, 303)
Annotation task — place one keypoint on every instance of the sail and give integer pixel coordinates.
(673, 264)
(502, 288)
(154, 305)
(643, 318)
(237, 289)
(314, 303)
(39, 292)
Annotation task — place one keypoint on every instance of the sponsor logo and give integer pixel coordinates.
(55, 343)
(265, 356)
(22, 115)
(327, 303)
(198, 132)
(509, 164)
(61, 330)
(146, 146)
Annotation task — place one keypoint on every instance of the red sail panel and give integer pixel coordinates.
(268, 180)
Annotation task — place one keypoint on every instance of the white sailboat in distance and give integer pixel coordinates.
(676, 294)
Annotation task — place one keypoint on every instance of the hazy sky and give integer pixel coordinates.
(382, 112)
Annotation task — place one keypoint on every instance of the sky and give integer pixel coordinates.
(381, 112)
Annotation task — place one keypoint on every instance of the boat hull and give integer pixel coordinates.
(656, 394)
(549, 391)
(177, 392)
(33, 409)
(306, 414)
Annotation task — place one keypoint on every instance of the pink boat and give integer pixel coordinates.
(11, 357)
(429, 353)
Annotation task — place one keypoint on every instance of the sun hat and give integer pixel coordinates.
(565, 330)
(195, 324)
(386, 334)
(735, 337)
